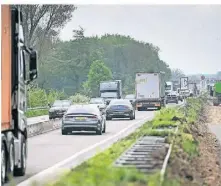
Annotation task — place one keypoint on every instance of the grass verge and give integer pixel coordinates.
(35, 113)
(185, 147)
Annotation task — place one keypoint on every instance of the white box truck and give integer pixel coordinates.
(150, 91)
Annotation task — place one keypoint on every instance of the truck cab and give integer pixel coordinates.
(169, 87)
(15, 78)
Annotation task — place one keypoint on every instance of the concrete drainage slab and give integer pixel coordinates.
(147, 154)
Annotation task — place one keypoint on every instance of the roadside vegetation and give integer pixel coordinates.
(195, 156)
(38, 100)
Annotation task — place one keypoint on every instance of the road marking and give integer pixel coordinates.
(55, 167)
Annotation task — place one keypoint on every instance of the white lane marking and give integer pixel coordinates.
(55, 167)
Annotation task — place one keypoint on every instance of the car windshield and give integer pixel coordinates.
(131, 96)
(83, 109)
(61, 103)
(120, 102)
(96, 101)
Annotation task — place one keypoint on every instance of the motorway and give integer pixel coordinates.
(47, 150)
(51, 153)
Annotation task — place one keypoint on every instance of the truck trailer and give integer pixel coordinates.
(150, 91)
(111, 90)
(15, 78)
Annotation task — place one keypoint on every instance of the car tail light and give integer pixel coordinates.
(93, 117)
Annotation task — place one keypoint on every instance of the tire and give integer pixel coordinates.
(99, 132)
(3, 164)
(108, 118)
(50, 117)
(139, 109)
(134, 116)
(11, 161)
(64, 132)
(21, 171)
(131, 116)
(104, 130)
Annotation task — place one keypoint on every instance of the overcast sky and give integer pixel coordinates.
(189, 36)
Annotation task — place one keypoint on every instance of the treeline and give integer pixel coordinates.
(67, 65)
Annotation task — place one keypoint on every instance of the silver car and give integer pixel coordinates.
(83, 118)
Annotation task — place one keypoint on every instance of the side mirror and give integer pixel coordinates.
(33, 66)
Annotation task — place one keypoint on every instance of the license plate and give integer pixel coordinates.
(118, 112)
(80, 118)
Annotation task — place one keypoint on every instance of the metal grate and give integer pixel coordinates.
(147, 154)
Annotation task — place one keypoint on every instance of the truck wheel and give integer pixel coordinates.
(20, 171)
(139, 109)
(11, 161)
(3, 164)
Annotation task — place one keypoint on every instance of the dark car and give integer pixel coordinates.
(99, 102)
(120, 108)
(83, 118)
(58, 108)
(172, 97)
(132, 99)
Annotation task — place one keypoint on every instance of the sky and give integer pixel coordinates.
(189, 37)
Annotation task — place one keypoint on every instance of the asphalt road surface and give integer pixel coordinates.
(51, 148)
(52, 151)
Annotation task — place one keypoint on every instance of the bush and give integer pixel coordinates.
(78, 98)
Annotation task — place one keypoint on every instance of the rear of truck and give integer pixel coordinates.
(148, 91)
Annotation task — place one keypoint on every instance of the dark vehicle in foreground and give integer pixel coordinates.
(120, 108)
(83, 118)
(100, 102)
(58, 108)
(172, 97)
(131, 98)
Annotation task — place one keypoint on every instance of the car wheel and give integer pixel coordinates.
(108, 118)
(50, 117)
(134, 116)
(64, 132)
(99, 132)
(104, 129)
(139, 109)
(131, 116)
(20, 171)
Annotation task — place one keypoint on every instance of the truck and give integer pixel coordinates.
(14, 79)
(217, 93)
(111, 90)
(150, 90)
(169, 87)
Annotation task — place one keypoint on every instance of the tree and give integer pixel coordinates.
(98, 72)
(42, 23)
(79, 33)
(177, 74)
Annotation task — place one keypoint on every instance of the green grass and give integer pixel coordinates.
(98, 171)
(35, 113)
